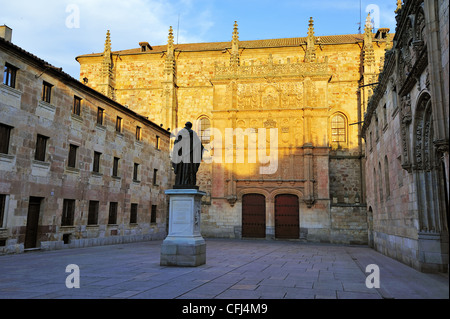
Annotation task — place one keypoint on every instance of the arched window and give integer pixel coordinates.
(380, 183)
(386, 177)
(204, 130)
(338, 129)
(375, 199)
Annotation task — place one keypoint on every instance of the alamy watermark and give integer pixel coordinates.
(73, 280)
(73, 19)
(373, 279)
(374, 12)
(228, 146)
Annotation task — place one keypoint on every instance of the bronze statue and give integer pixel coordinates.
(186, 157)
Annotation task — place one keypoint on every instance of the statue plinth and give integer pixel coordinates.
(184, 245)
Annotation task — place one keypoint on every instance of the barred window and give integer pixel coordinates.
(338, 129)
(205, 130)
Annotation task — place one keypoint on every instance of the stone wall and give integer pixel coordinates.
(273, 86)
(349, 224)
(52, 180)
(407, 142)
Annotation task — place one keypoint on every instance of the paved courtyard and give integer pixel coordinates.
(235, 269)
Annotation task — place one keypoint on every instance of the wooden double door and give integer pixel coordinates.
(286, 216)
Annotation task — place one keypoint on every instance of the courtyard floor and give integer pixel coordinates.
(234, 269)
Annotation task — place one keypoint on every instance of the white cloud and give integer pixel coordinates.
(40, 26)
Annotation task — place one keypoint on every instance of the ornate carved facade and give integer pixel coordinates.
(305, 96)
(410, 164)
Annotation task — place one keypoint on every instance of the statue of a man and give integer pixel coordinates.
(186, 157)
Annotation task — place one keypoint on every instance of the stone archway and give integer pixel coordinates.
(433, 231)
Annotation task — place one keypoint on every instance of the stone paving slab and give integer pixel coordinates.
(234, 269)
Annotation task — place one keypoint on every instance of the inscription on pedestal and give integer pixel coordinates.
(184, 245)
(181, 224)
(179, 211)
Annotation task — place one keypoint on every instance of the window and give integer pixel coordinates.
(394, 98)
(41, 145)
(138, 133)
(93, 212)
(100, 115)
(68, 212)
(2, 208)
(380, 182)
(377, 127)
(153, 214)
(385, 115)
(46, 92)
(158, 140)
(133, 213)
(9, 75)
(386, 177)
(5, 133)
(96, 164)
(374, 186)
(135, 171)
(115, 166)
(204, 129)
(112, 219)
(338, 129)
(76, 105)
(72, 156)
(155, 176)
(119, 124)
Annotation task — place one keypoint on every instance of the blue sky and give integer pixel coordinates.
(59, 30)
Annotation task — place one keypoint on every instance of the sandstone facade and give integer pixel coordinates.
(309, 91)
(49, 202)
(406, 131)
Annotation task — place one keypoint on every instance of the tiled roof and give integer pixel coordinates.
(270, 43)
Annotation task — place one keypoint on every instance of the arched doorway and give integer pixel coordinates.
(287, 224)
(254, 216)
(433, 229)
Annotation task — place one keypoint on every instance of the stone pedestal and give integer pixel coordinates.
(184, 245)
